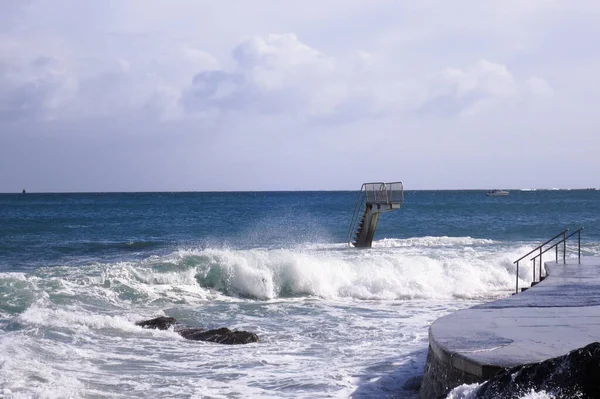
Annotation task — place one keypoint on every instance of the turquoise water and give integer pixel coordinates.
(77, 271)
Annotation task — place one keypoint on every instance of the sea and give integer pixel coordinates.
(78, 270)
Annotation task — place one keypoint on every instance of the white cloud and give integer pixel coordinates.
(270, 74)
(486, 78)
(36, 89)
(279, 73)
(206, 83)
(200, 59)
(475, 89)
(539, 87)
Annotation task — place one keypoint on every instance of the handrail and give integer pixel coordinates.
(542, 251)
(355, 213)
(539, 246)
(556, 244)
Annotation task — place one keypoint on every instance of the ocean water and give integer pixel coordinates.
(78, 270)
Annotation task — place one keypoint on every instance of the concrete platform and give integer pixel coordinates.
(558, 315)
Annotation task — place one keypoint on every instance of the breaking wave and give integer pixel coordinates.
(414, 268)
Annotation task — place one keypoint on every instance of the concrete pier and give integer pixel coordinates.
(560, 314)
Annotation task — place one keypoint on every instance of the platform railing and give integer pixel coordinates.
(383, 193)
(537, 259)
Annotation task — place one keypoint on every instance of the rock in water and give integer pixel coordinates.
(160, 323)
(574, 375)
(220, 335)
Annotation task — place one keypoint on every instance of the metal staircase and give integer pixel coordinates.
(373, 199)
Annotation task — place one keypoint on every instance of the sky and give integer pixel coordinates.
(194, 95)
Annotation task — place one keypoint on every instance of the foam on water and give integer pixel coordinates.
(78, 270)
(430, 242)
(416, 268)
(429, 267)
(332, 320)
(469, 391)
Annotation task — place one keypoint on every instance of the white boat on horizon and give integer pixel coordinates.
(497, 193)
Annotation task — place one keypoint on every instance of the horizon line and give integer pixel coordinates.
(284, 190)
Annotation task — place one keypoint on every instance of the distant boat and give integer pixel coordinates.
(497, 193)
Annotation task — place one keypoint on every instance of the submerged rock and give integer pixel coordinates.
(159, 323)
(220, 335)
(574, 375)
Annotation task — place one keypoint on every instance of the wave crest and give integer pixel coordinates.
(433, 268)
(415, 268)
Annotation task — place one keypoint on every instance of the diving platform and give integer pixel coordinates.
(373, 199)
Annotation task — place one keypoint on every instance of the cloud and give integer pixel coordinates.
(273, 74)
(35, 89)
(539, 87)
(44, 88)
(199, 58)
(480, 87)
(485, 78)
(186, 86)
(280, 74)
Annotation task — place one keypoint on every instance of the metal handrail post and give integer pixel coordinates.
(579, 247)
(564, 248)
(533, 269)
(540, 273)
(517, 283)
(556, 253)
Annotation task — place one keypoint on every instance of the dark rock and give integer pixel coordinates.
(574, 375)
(220, 335)
(160, 323)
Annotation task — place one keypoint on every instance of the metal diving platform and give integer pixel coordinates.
(373, 199)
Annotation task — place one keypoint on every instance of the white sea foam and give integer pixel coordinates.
(73, 319)
(423, 268)
(333, 321)
(443, 241)
(428, 267)
(538, 395)
(465, 391)
(469, 391)
(26, 372)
